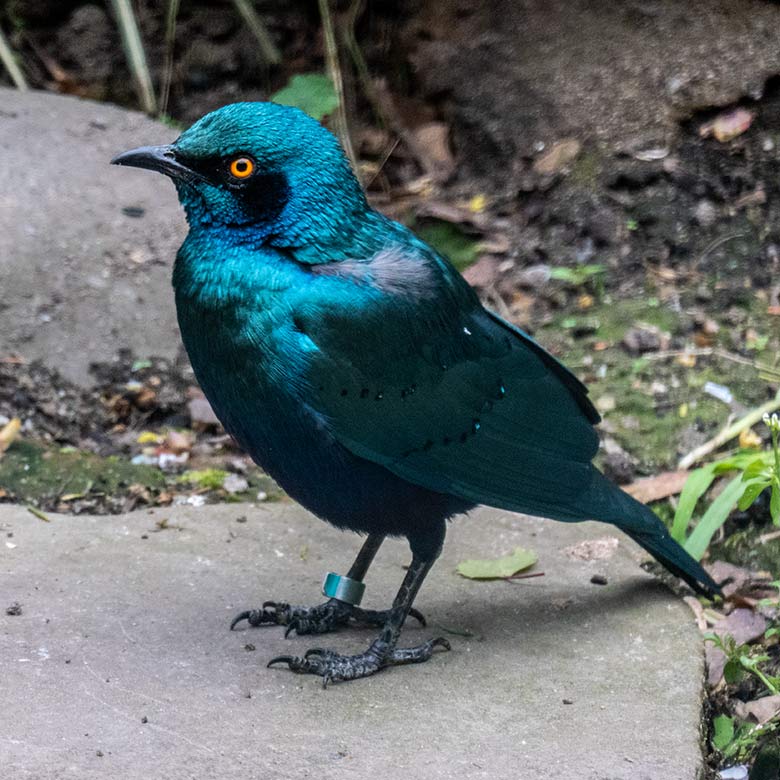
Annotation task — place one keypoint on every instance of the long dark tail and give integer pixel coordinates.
(613, 505)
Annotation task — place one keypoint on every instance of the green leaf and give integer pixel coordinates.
(695, 487)
(311, 92)
(774, 504)
(498, 569)
(714, 517)
(450, 240)
(755, 469)
(723, 731)
(733, 671)
(753, 489)
(578, 275)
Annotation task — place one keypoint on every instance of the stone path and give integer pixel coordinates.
(121, 664)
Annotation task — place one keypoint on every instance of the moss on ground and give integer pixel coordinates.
(31, 473)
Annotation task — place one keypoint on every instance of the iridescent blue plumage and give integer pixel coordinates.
(356, 365)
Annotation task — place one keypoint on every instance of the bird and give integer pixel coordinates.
(360, 370)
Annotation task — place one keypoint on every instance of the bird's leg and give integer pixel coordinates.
(328, 616)
(382, 652)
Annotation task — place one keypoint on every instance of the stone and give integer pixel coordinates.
(122, 665)
(86, 249)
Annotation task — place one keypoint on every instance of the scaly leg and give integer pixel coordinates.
(329, 616)
(382, 652)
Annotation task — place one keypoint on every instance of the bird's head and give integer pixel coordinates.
(261, 171)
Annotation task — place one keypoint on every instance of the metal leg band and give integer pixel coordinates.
(337, 586)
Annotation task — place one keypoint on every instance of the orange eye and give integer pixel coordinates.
(242, 167)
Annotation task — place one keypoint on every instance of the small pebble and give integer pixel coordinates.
(739, 772)
(567, 701)
(598, 579)
(249, 647)
(144, 719)
(14, 609)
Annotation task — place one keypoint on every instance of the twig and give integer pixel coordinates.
(334, 72)
(134, 51)
(730, 432)
(524, 576)
(9, 60)
(700, 352)
(717, 243)
(170, 39)
(268, 49)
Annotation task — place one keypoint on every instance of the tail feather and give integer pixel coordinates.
(667, 552)
(613, 505)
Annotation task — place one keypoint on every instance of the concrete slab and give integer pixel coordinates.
(121, 664)
(85, 249)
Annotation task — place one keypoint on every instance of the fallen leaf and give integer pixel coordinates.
(759, 710)
(499, 568)
(728, 125)
(749, 439)
(557, 157)
(8, 433)
(669, 483)
(478, 204)
(148, 437)
(433, 139)
(178, 442)
(37, 512)
(687, 360)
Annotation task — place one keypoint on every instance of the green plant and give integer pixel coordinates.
(756, 471)
(580, 275)
(311, 92)
(739, 739)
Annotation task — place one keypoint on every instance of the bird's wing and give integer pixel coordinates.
(446, 394)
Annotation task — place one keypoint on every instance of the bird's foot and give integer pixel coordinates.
(334, 667)
(330, 616)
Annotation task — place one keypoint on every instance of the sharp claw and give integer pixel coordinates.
(417, 615)
(441, 642)
(315, 651)
(290, 628)
(238, 618)
(267, 604)
(281, 659)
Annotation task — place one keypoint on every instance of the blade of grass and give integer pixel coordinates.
(268, 50)
(8, 58)
(170, 37)
(714, 517)
(694, 488)
(134, 51)
(334, 72)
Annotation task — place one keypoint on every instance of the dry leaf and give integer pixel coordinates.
(557, 157)
(8, 433)
(759, 710)
(749, 439)
(670, 483)
(728, 125)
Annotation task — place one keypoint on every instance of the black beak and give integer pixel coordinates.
(156, 158)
